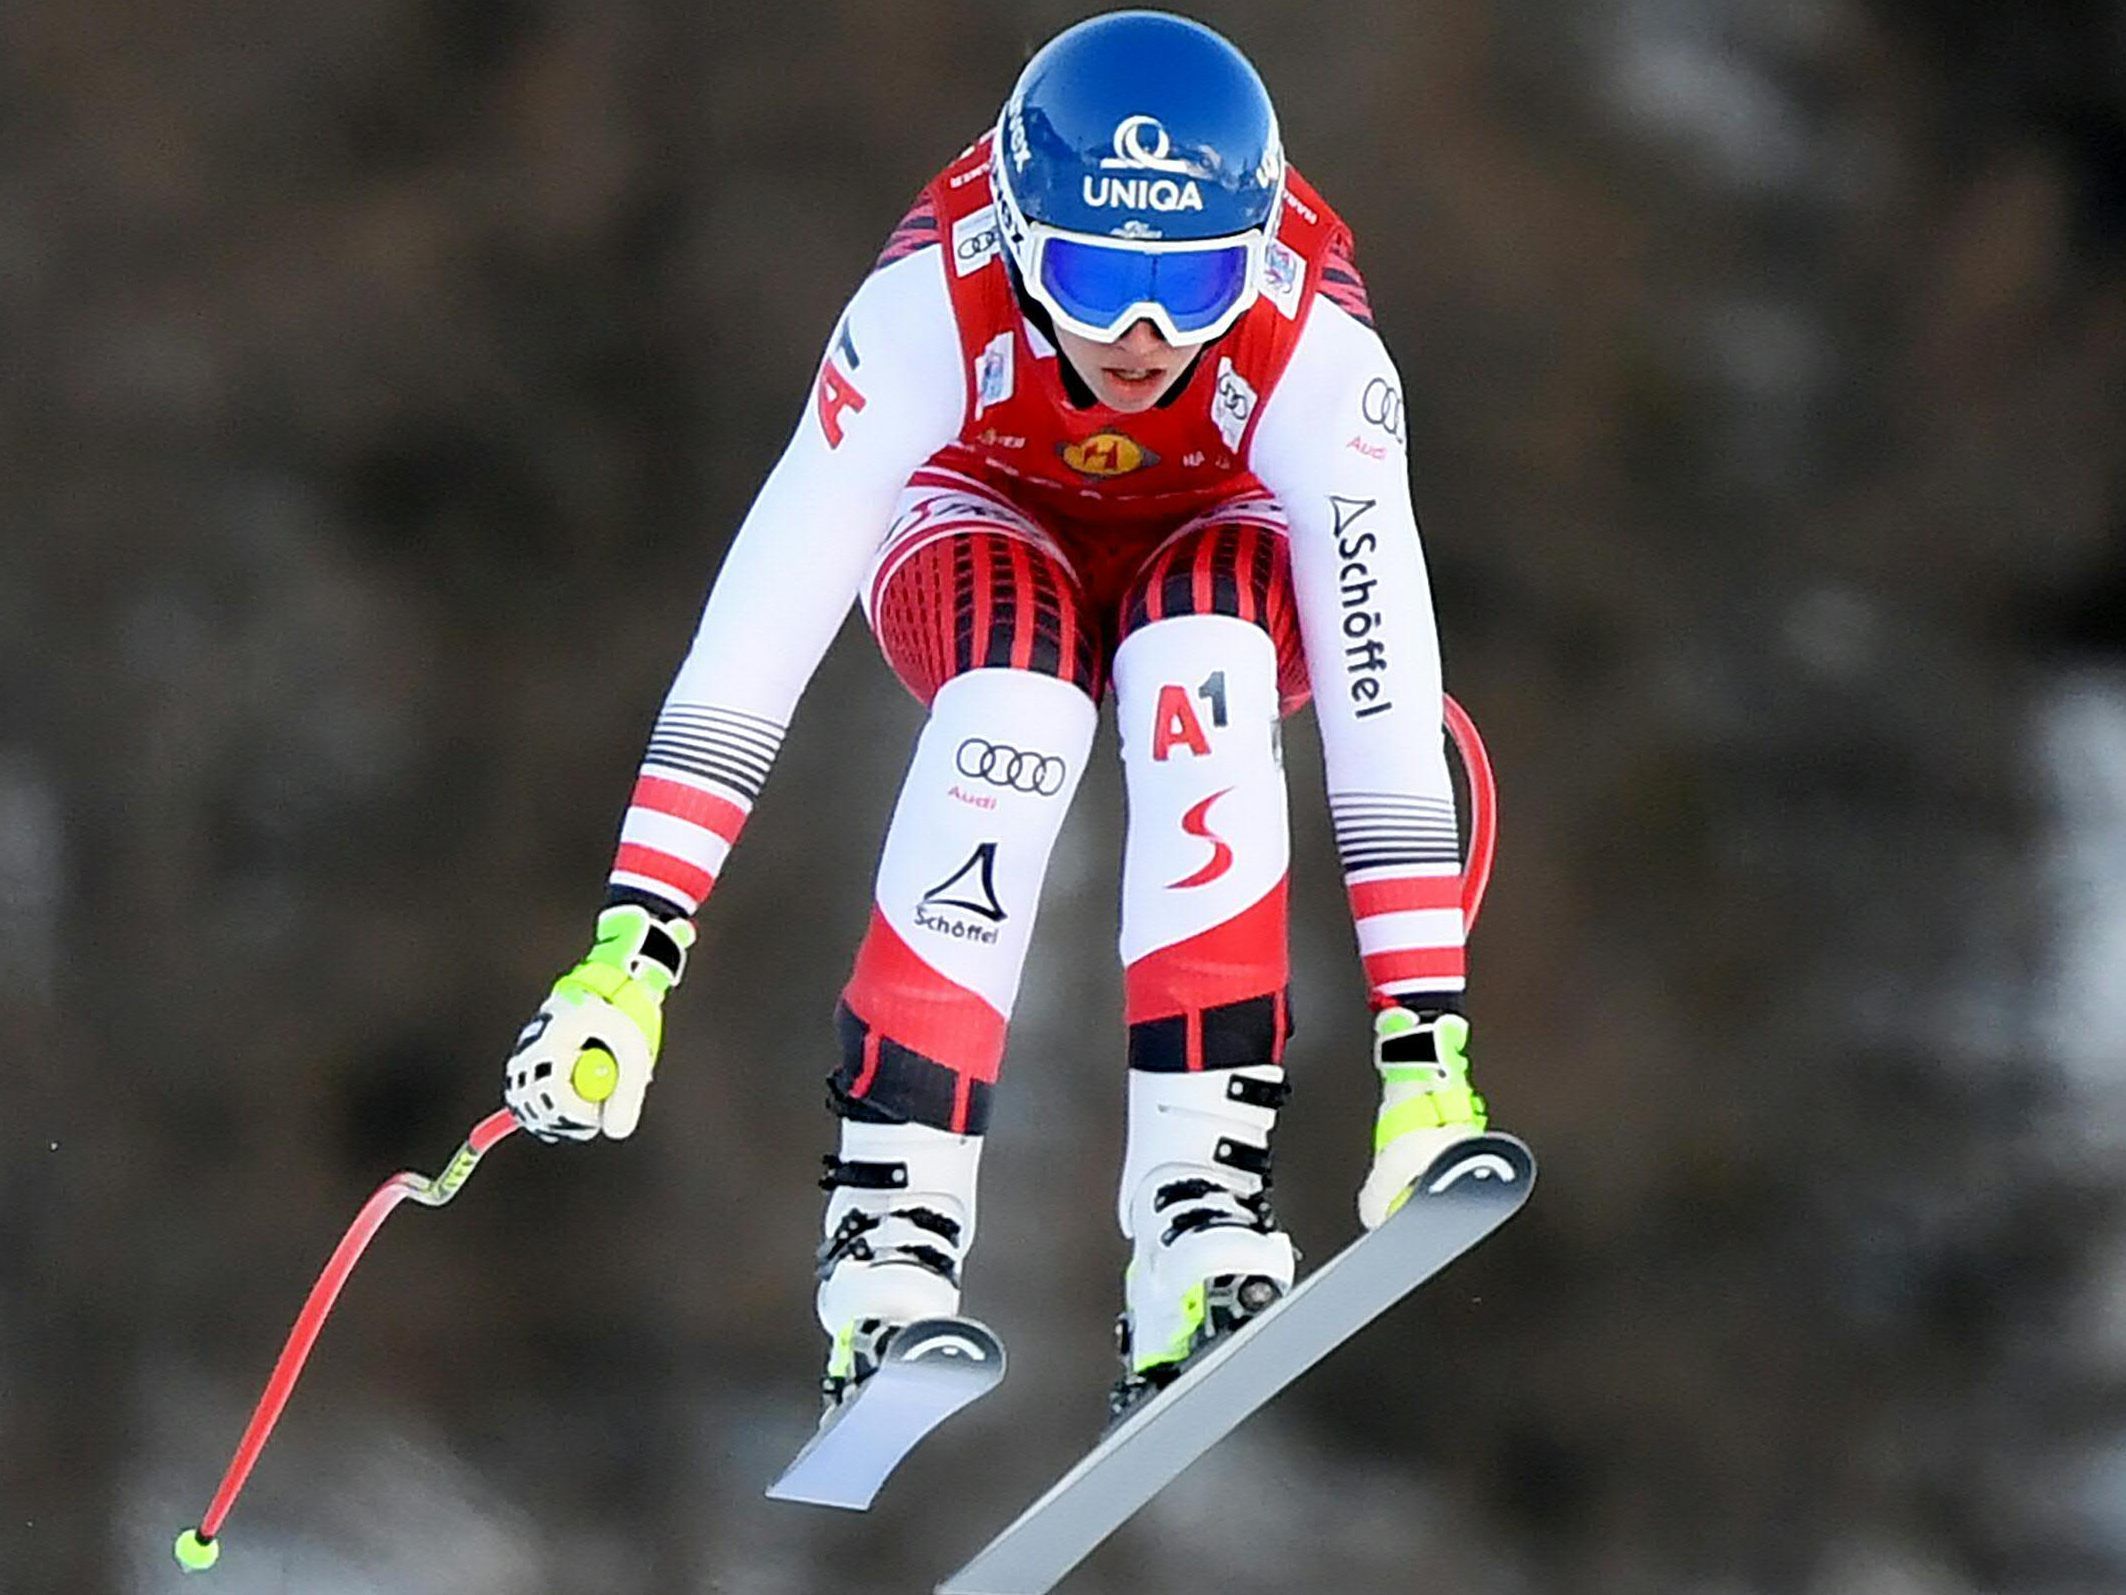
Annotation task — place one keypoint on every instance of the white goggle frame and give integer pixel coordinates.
(1025, 241)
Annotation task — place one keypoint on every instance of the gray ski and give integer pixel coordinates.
(930, 1370)
(1474, 1187)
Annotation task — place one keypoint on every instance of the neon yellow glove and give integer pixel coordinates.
(1426, 1103)
(582, 1066)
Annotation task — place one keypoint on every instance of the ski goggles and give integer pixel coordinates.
(1191, 290)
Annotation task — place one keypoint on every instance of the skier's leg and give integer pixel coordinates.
(1208, 663)
(984, 624)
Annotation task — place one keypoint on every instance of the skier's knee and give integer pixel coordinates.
(1194, 687)
(986, 602)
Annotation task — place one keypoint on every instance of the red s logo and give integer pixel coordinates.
(1197, 823)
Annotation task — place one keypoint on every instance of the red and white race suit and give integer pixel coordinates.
(1018, 548)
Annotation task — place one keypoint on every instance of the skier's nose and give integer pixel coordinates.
(1141, 340)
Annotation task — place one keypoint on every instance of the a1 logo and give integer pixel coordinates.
(1176, 721)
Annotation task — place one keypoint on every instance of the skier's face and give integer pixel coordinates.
(1130, 374)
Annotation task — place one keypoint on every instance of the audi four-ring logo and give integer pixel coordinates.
(1383, 406)
(1002, 766)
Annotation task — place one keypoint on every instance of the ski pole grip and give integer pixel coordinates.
(596, 1074)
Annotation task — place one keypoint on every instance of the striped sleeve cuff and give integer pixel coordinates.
(704, 769)
(1403, 870)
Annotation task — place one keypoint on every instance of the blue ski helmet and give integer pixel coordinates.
(1139, 174)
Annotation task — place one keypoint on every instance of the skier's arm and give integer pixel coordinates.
(888, 393)
(1330, 445)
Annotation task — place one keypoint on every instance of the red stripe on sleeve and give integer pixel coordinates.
(659, 866)
(1416, 963)
(1400, 896)
(690, 803)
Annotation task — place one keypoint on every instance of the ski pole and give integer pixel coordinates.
(197, 1548)
(1483, 810)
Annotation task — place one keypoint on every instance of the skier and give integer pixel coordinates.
(1110, 411)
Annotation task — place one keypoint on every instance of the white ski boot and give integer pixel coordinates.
(900, 1216)
(1207, 1254)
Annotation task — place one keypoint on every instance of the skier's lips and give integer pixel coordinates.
(1131, 378)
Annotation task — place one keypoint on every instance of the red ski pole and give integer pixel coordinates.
(1483, 810)
(198, 1548)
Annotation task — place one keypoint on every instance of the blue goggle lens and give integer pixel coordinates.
(1099, 284)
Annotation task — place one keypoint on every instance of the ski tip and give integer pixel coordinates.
(963, 1341)
(1492, 1164)
(929, 1370)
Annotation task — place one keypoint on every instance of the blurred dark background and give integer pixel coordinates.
(379, 384)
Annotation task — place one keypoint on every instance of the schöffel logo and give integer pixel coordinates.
(1142, 144)
(970, 889)
(1106, 454)
(1039, 773)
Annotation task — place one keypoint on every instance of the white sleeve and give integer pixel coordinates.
(1331, 446)
(888, 394)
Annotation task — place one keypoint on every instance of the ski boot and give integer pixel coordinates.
(1426, 1105)
(1206, 1254)
(898, 1222)
(900, 1216)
